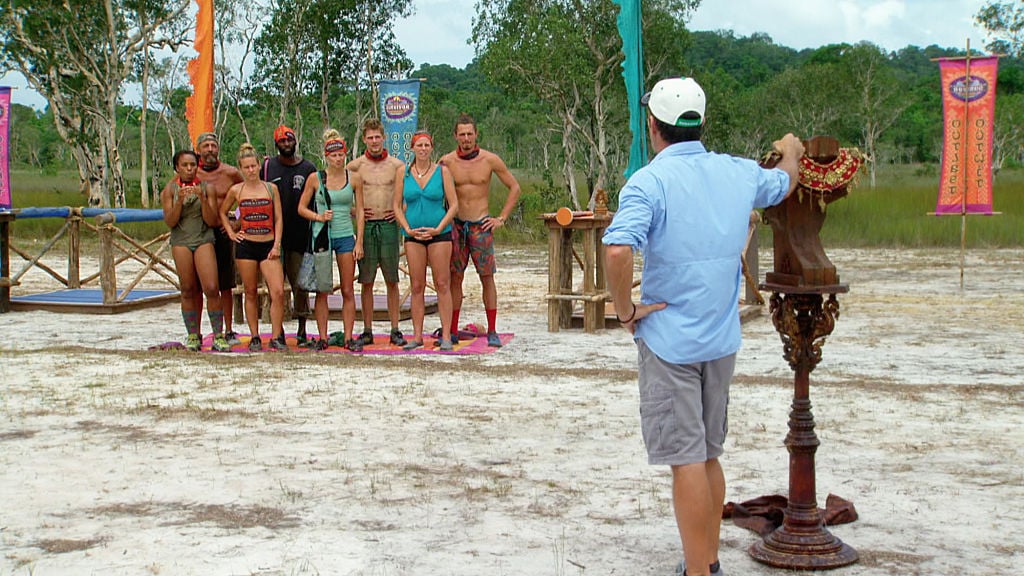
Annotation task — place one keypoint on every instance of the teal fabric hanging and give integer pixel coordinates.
(630, 28)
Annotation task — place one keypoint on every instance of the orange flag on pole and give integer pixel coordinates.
(968, 115)
(199, 106)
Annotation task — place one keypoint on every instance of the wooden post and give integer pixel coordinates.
(554, 276)
(963, 195)
(751, 293)
(565, 264)
(5, 261)
(74, 249)
(593, 310)
(108, 271)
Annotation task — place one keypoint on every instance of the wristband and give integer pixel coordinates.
(627, 320)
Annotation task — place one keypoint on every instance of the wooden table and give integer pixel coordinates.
(595, 293)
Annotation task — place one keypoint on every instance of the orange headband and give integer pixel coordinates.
(335, 145)
(420, 136)
(283, 132)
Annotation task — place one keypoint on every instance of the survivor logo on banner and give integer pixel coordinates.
(5, 131)
(399, 112)
(968, 113)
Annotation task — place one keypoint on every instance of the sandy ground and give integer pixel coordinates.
(115, 460)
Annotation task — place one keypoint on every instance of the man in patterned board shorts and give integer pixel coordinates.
(688, 211)
(473, 229)
(380, 175)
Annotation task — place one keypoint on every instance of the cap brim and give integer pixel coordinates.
(645, 99)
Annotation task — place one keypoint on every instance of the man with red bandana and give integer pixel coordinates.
(382, 176)
(288, 170)
(219, 178)
(473, 229)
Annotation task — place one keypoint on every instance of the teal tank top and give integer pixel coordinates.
(424, 207)
(341, 204)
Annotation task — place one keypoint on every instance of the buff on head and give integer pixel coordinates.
(333, 142)
(283, 132)
(206, 137)
(335, 145)
(422, 136)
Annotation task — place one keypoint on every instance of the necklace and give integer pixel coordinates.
(419, 174)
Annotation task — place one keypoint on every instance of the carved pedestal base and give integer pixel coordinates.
(803, 543)
(803, 319)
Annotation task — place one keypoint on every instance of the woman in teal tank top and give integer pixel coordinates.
(424, 209)
(336, 195)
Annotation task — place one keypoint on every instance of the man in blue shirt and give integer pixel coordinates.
(688, 212)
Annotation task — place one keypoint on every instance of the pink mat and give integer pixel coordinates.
(380, 345)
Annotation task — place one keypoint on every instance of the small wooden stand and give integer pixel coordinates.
(595, 293)
(802, 278)
(803, 317)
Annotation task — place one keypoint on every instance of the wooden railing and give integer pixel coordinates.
(116, 248)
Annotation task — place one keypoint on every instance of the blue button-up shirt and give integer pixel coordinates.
(688, 212)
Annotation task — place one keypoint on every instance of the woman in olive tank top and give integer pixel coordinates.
(190, 211)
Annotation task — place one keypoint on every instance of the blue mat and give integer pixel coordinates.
(87, 296)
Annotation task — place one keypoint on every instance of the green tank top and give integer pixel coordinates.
(340, 201)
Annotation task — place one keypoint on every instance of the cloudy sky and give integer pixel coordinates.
(439, 30)
(437, 34)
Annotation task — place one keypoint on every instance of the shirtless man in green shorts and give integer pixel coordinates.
(473, 229)
(381, 174)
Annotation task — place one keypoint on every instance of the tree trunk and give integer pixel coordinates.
(569, 156)
(143, 156)
(115, 174)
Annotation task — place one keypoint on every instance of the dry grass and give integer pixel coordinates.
(223, 516)
(65, 545)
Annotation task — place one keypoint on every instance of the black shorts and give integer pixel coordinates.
(249, 250)
(446, 237)
(225, 250)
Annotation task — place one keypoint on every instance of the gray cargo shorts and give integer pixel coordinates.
(683, 407)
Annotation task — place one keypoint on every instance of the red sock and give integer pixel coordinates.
(455, 320)
(491, 315)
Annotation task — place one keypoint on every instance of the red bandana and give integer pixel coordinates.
(335, 145)
(468, 155)
(383, 156)
(183, 184)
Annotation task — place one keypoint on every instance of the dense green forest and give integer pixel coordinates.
(545, 87)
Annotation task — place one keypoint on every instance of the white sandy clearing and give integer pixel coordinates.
(115, 460)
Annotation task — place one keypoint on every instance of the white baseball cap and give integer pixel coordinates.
(672, 97)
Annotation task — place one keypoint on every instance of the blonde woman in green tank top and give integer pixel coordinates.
(336, 194)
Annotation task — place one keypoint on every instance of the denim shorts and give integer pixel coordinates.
(343, 245)
(683, 407)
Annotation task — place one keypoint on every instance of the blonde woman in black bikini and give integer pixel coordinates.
(258, 247)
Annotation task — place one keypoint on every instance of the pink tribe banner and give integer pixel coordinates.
(5, 132)
(968, 114)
